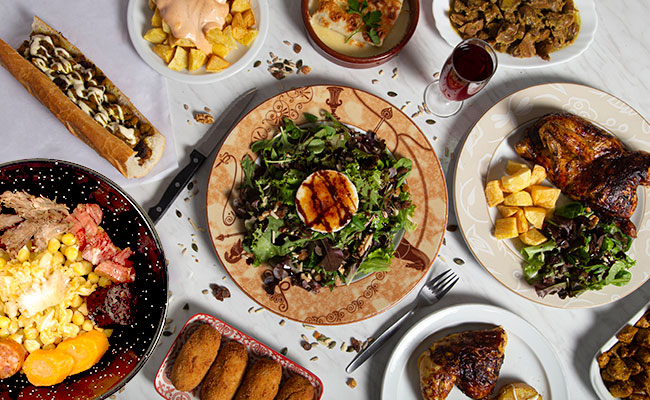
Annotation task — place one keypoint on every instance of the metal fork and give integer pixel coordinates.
(430, 293)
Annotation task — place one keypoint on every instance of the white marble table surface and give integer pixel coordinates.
(617, 62)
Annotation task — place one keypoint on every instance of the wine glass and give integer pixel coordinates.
(467, 70)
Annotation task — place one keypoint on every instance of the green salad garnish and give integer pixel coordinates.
(583, 253)
(275, 233)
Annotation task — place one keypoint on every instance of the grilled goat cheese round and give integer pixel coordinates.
(326, 201)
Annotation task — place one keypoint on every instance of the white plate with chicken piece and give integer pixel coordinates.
(529, 357)
(588, 25)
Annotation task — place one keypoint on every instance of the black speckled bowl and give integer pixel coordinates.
(127, 225)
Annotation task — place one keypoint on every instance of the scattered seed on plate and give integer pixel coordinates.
(391, 94)
(207, 109)
(306, 345)
(444, 241)
(314, 344)
(435, 138)
(257, 63)
(179, 214)
(186, 306)
(408, 102)
(430, 121)
(351, 383)
(297, 48)
(331, 345)
(205, 291)
(184, 251)
(284, 351)
(459, 261)
(344, 347)
(223, 278)
(395, 70)
(195, 247)
(308, 327)
(314, 358)
(356, 344)
(374, 81)
(420, 109)
(251, 310)
(185, 106)
(282, 322)
(167, 333)
(416, 114)
(304, 337)
(288, 43)
(299, 64)
(316, 335)
(437, 74)
(381, 72)
(402, 108)
(271, 54)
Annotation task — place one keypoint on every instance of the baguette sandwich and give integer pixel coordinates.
(84, 100)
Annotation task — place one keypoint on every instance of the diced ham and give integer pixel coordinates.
(98, 248)
(81, 239)
(115, 272)
(87, 216)
(121, 257)
(76, 225)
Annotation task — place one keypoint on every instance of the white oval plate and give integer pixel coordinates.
(528, 358)
(594, 370)
(139, 22)
(588, 24)
(490, 143)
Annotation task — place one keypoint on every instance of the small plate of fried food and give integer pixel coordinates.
(525, 33)
(227, 38)
(226, 363)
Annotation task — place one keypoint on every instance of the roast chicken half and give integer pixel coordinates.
(471, 360)
(588, 165)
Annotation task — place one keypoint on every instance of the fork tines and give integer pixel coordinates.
(443, 283)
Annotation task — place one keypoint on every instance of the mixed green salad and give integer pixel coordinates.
(267, 202)
(583, 253)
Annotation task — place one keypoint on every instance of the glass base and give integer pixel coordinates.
(436, 103)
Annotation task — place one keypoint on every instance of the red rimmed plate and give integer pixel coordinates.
(415, 253)
(256, 350)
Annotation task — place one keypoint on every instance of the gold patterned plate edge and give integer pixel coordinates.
(414, 254)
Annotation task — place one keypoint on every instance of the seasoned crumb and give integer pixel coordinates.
(185, 106)
(203, 118)
(207, 109)
(351, 383)
(305, 70)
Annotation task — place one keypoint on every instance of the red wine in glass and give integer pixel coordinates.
(465, 72)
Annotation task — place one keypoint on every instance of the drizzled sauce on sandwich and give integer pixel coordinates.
(192, 19)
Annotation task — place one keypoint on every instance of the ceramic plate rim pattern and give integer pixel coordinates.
(488, 132)
(469, 314)
(368, 296)
(588, 25)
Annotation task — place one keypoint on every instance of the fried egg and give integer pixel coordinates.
(326, 201)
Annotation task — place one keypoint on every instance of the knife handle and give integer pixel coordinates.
(178, 183)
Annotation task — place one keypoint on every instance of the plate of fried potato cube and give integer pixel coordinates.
(233, 47)
(503, 202)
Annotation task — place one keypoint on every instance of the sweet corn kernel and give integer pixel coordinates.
(93, 277)
(23, 254)
(13, 326)
(3, 262)
(4, 322)
(46, 338)
(68, 263)
(83, 308)
(17, 337)
(71, 330)
(50, 346)
(4, 333)
(76, 301)
(108, 332)
(53, 245)
(71, 253)
(58, 258)
(31, 333)
(69, 239)
(82, 268)
(31, 345)
(87, 325)
(66, 316)
(78, 318)
(104, 281)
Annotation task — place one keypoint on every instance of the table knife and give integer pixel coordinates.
(210, 141)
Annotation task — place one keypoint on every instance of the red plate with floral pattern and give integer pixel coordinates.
(414, 254)
(256, 350)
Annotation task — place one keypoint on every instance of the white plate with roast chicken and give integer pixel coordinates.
(510, 131)
(442, 355)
